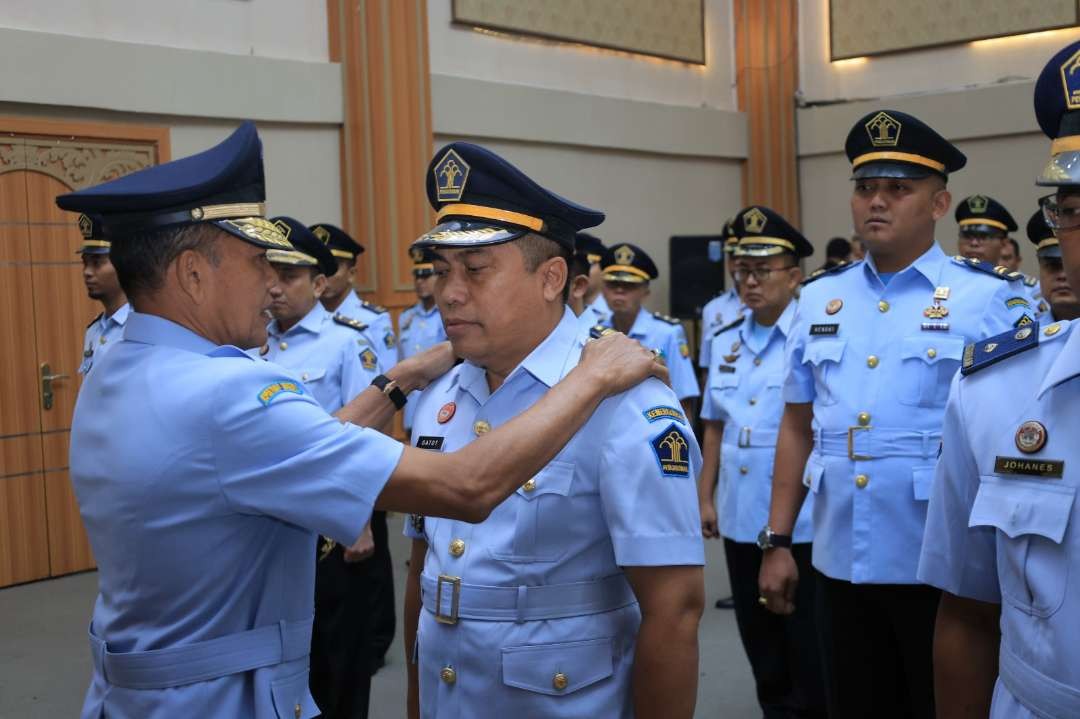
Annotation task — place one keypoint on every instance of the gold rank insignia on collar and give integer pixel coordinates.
(451, 174)
(884, 130)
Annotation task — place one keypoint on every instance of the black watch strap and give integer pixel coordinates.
(390, 390)
(780, 540)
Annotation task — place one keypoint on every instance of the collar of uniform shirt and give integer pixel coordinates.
(154, 330)
(1066, 365)
(311, 322)
(783, 324)
(121, 314)
(638, 328)
(928, 264)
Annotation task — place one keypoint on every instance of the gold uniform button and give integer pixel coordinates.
(529, 486)
(872, 361)
(103, 340)
(448, 675)
(931, 353)
(861, 481)
(481, 427)
(864, 419)
(757, 361)
(559, 681)
(883, 306)
(1049, 331)
(457, 547)
(304, 376)
(744, 470)
(753, 401)
(283, 346)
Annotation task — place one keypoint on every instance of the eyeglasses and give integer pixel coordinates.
(1057, 216)
(761, 274)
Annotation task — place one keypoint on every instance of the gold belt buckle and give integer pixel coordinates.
(851, 445)
(452, 617)
(744, 437)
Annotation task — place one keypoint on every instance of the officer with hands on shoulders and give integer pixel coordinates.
(1003, 529)
(203, 474)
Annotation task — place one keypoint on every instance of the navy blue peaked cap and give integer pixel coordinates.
(94, 242)
(423, 259)
(223, 185)
(1039, 234)
(889, 143)
(984, 215)
(481, 199)
(339, 241)
(1057, 108)
(628, 263)
(308, 250)
(589, 246)
(763, 232)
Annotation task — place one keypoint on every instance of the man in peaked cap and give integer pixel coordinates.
(1002, 539)
(984, 226)
(99, 276)
(1058, 297)
(628, 269)
(420, 326)
(203, 474)
(726, 307)
(581, 594)
(340, 297)
(870, 354)
(591, 249)
(741, 409)
(1011, 258)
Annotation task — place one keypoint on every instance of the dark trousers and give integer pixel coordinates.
(783, 651)
(349, 635)
(877, 648)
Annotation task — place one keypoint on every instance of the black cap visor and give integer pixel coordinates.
(892, 170)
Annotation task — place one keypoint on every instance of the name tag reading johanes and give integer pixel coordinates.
(1047, 468)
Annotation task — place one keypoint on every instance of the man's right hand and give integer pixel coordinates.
(777, 580)
(709, 529)
(617, 363)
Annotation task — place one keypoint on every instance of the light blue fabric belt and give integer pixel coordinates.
(866, 443)
(449, 599)
(751, 437)
(201, 661)
(1045, 697)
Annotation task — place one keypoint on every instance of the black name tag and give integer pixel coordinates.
(725, 369)
(817, 330)
(1048, 468)
(430, 443)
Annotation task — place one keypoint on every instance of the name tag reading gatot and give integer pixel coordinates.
(1046, 468)
(425, 442)
(829, 329)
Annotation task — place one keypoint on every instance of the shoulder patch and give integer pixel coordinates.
(100, 315)
(730, 326)
(598, 331)
(663, 411)
(378, 309)
(1002, 273)
(1017, 302)
(272, 390)
(350, 322)
(665, 318)
(672, 452)
(818, 274)
(368, 360)
(984, 353)
(389, 340)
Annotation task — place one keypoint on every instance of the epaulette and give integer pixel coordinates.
(378, 309)
(349, 322)
(841, 267)
(665, 318)
(980, 355)
(1030, 280)
(100, 315)
(729, 326)
(999, 271)
(598, 331)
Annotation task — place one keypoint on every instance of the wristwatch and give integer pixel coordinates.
(390, 390)
(768, 539)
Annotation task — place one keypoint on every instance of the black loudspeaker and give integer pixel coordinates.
(697, 273)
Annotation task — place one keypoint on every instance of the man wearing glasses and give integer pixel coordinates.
(1058, 298)
(985, 225)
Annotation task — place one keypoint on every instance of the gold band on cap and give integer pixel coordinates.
(291, 257)
(1070, 143)
(228, 212)
(593, 259)
(775, 241)
(491, 213)
(983, 221)
(423, 266)
(343, 254)
(1048, 242)
(898, 157)
(629, 269)
(96, 243)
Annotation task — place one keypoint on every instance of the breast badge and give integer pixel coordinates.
(1031, 437)
(446, 413)
(834, 306)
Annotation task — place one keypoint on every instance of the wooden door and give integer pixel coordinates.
(44, 309)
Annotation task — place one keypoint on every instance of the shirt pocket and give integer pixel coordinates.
(558, 669)
(1031, 519)
(543, 506)
(823, 356)
(929, 363)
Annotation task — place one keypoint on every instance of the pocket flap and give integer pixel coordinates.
(291, 692)
(312, 375)
(922, 481)
(1018, 507)
(932, 349)
(555, 478)
(557, 669)
(818, 351)
(815, 468)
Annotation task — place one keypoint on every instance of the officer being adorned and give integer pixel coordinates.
(595, 310)
(1003, 531)
(581, 594)
(99, 276)
(985, 225)
(340, 297)
(628, 269)
(1059, 299)
(869, 357)
(726, 307)
(420, 326)
(741, 409)
(203, 474)
(335, 360)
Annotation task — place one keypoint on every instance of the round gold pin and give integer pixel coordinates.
(481, 427)
(834, 306)
(1031, 437)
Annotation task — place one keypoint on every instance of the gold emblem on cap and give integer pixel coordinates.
(978, 204)
(1031, 437)
(284, 228)
(321, 233)
(86, 226)
(417, 255)
(754, 220)
(884, 130)
(1069, 69)
(623, 255)
(834, 306)
(451, 174)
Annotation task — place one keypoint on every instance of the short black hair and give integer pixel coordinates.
(141, 259)
(838, 247)
(1015, 244)
(537, 249)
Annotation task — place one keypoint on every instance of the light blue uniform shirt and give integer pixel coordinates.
(717, 312)
(594, 314)
(667, 335)
(380, 327)
(336, 362)
(202, 477)
(102, 335)
(621, 493)
(743, 392)
(420, 329)
(1011, 536)
(875, 362)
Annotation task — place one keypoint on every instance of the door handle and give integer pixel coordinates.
(47, 378)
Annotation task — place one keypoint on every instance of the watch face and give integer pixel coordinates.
(763, 538)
